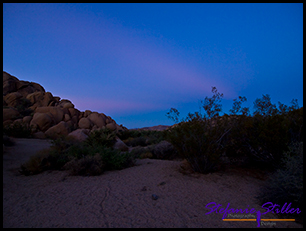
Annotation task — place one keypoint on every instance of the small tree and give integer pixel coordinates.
(212, 106)
(264, 106)
(173, 114)
(237, 106)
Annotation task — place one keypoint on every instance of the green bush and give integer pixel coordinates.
(79, 158)
(286, 184)
(36, 164)
(260, 140)
(138, 151)
(198, 141)
(86, 166)
(18, 130)
(101, 137)
(23, 107)
(116, 160)
(140, 137)
(137, 141)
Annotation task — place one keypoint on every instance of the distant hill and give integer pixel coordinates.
(153, 128)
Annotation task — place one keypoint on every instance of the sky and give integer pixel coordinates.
(134, 62)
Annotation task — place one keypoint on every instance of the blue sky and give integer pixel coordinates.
(134, 62)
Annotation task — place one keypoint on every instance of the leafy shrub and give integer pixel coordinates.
(146, 155)
(198, 141)
(101, 137)
(36, 164)
(140, 137)
(79, 158)
(86, 166)
(137, 141)
(18, 130)
(23, 107)
(114, 159)
(163, 150)
(286, 184)
(260, 140)
(138, 151)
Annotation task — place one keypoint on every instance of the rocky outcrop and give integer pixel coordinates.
(48, 116)
(41, 121)
(79, 134)
(60, 129)
(10, 113)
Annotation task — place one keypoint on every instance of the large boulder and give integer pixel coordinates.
(39, 135)
(40, 99)
(164, 150)
(57, 130)
(87, 113)
(111, 126)
(84, 123)
(55, 112)
(10, 114)
(26, 88)
(120, 145)
(42, 120)
(13, 99)
(27, 119)
(74, 112)
(80, 134)
(97, 119)
(65, 103)
(9, 83)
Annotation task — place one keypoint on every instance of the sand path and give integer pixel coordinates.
(122, 198)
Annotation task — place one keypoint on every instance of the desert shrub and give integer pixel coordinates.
(114, 159)
(23, 107)
(163, 150)
(265, 139)
(79, 158)
(36, 164)
(140, 137)
(101, 137)
(260, 140)
(18, 130)
(286, 184)
(86, 166)
(146, 155)
(138, 151)
(125, 134)
(198, 141)
(137, 141)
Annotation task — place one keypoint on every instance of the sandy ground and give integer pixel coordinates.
(124, 198)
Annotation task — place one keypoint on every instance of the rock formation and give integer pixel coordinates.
(48, 116)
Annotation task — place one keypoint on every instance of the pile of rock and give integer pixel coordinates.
(48, 116)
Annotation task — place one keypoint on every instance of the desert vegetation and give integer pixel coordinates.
(271, 139)
(91, 157)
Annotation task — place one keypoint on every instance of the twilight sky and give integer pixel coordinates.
(134, 62)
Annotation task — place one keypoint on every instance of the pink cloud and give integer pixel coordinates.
(110, 106)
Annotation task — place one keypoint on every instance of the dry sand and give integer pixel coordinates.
(123, 198)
